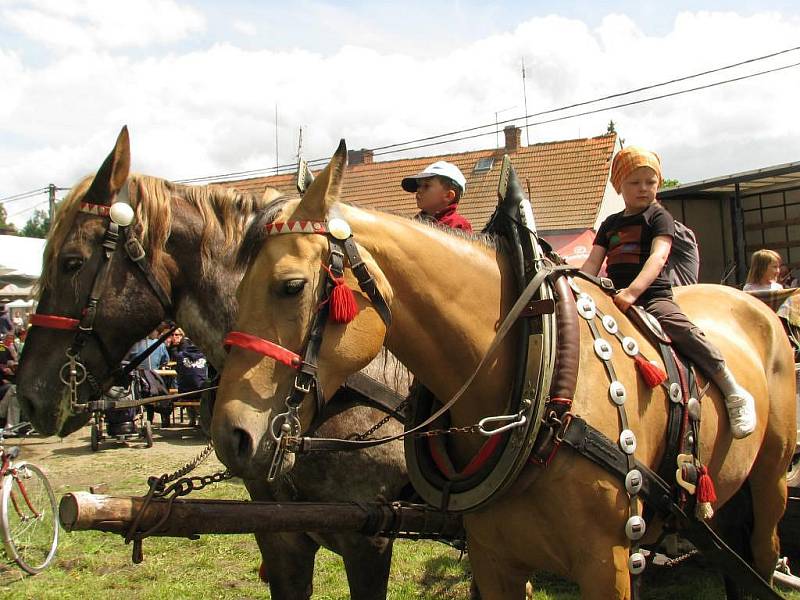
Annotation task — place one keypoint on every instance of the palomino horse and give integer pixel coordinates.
(448, 293)
(191, 234)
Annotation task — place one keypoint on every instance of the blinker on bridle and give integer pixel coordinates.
(74, 373)
(341, 247)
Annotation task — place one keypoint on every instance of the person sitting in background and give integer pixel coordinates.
(765, 266)
(192, 368)
(150, 383)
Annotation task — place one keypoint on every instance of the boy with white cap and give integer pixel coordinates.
(636, 243)
(439, 187)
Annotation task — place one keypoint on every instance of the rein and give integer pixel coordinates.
(74, 373)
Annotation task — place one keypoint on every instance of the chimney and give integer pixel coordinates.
(513, 136)
(359, 157)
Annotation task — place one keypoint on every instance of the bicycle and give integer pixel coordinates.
(28, 512)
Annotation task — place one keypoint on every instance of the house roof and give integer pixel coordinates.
(566, 181)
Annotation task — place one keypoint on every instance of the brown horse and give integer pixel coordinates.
(191, 234)
(448, 293)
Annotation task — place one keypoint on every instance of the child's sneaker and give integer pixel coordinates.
(741, 412)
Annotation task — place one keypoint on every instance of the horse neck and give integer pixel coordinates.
(449, 294)
(205, 297)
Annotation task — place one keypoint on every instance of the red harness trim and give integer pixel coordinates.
(54, 322)
(442, 462)
(262, 346)
(100, 210)
(279, 227)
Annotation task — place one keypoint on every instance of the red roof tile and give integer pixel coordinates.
(566, 181)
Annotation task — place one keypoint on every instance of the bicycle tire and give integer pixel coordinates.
(30, 540)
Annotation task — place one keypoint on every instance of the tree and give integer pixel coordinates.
(6, 228)
(669, 183)
(611, 128)
(38, 225)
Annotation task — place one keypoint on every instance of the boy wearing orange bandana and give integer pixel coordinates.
(636, 244)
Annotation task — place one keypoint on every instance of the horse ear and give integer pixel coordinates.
(325, 189)
(113, 172)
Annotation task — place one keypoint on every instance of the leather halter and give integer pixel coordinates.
(341, 247)
(73, 373)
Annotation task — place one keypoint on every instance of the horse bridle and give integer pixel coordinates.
(74, 373)
(341, 247)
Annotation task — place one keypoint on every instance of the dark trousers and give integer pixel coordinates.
(688, 338)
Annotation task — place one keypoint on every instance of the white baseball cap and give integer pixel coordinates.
(441, 168)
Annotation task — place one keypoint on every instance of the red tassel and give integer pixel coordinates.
(653, 376)
(343, 303)
(705, 486)
(262, 573)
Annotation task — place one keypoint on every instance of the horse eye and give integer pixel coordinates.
(72, 264)
(292, 287)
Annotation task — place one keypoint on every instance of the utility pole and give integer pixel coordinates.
(51, 197)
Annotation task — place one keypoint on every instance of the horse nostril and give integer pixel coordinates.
(243, 443)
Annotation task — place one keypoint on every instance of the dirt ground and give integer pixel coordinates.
(116, 467)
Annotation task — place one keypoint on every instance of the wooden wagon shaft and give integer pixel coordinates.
(82, 511)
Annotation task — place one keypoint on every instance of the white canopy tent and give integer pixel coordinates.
(20, 259)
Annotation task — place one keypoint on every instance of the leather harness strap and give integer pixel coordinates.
(307, 444)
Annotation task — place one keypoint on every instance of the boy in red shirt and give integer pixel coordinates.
(637, 243)
(439, 188)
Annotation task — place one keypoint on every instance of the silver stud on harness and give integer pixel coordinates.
(602, 348)
(610, 324)
(586, 307)
(627, 441)
(633, 482)
(617, 393)
(635, 528)
(630, 346)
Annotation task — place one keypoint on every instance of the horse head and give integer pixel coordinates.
(86, 280)
(280, 297)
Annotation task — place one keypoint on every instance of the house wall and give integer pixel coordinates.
(612, 201)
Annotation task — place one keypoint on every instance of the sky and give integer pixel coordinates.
(199, 83)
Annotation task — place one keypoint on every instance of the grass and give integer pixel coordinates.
(226, 566)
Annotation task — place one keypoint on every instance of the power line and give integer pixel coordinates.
(30, 208)
(316, 161)
(23, 195)
(407, 145)
(598, 110)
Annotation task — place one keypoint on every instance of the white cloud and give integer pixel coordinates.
(211, 110)
(84, 24)
(245, 27)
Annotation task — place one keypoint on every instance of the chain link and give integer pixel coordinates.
(398, 409)
(187, 468)
(434, 432)
(674, 562)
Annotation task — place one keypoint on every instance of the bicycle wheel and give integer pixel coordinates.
(29, 518)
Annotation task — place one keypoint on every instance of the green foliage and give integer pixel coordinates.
(38, 225)
(669, 183)
(611, 128)
(6, 228)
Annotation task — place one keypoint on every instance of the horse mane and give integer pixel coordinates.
(224, 213)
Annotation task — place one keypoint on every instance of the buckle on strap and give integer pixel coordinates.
(134, 249)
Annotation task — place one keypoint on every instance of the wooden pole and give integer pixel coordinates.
(82, 511)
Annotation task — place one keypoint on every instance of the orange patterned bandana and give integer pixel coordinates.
(628, 160)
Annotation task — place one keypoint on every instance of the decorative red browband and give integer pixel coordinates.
(296, 227)
(101, 210)
(262, 346)
(54, 322)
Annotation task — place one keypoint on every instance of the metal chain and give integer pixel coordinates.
(674, 562)
(187, 468)
(434, 432)
(186, 485)
(382, 422)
